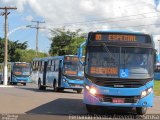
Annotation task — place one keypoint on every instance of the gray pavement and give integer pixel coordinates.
(28, 100)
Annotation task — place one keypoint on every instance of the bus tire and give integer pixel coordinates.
(91, 109)
(60, 89)
(40, 87)
(14, 83)
(55, 86)
(79, 91)
(24, 84)
(141, 110)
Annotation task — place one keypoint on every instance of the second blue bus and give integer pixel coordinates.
(59, 73)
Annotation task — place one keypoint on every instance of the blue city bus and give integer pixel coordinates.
(18, 72)
(118, 70)
(59, 73)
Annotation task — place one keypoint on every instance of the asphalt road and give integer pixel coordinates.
(28, 102)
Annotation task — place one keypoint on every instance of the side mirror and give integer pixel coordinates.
(155, 59)
(80, 53)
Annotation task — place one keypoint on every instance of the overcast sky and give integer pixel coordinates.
(88, 15)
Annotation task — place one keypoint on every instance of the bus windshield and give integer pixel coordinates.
(111, 62)
(21, 70)
(73, 68)
(138, 62)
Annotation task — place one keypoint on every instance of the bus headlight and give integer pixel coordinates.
(143, 94)
(150, 90)
(92, 90)
(87, 87)
(146, 92)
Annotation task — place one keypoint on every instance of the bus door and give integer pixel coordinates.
(60, 73)
(44, 73)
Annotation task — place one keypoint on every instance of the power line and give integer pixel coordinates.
(99, 20)
(37, 27)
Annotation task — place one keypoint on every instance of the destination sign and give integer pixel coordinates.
(106, 70)
(73, 58)
(118, 37)
(21, 64)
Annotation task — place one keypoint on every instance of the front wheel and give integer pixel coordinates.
(40, 87)
(79, 91)
(91, 109)
(141, 110)
(24, 84)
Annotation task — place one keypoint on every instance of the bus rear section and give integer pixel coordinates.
(119, 71)
(20, 73)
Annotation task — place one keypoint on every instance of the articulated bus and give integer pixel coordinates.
(59, 72)
(118, 70)
(18, 72)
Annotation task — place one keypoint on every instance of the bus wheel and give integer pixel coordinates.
(141, 110)
(40, 87)
(55, 86)
(14, 83)
(79, 91)
(91, 109)
(61, 89)
(24, 84)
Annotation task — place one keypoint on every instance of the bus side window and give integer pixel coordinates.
(37, 66)
(52, 65)
(41, 67)
(49, 66)
(56, 65)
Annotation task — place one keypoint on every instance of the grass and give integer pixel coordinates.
(157, 87)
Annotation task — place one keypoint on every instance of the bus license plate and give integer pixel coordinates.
(117, 100)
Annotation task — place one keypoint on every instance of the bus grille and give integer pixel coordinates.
(127, 99)
(122, 83)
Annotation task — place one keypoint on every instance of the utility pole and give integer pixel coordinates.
(159, 46)
(37, 28)
(5, 14)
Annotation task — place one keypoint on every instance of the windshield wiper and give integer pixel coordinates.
(108, 52)
(124, 59)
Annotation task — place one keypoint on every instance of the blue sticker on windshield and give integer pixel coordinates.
(123, 73)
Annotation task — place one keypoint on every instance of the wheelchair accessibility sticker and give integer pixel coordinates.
(123, 73)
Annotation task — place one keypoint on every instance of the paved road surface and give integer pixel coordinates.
(28, 100)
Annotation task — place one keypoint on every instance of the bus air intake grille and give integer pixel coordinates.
(121, 83)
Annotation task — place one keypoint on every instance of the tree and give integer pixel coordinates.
(27, 55)
(65, 42)
(18, 52)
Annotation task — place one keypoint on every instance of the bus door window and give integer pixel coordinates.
(53, 66)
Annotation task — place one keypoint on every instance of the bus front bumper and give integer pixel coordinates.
(90, 99)
(21, 80)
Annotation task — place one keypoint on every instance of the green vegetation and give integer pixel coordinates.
(18, 52)
(27, 55)
(157, 87)
(65, 42)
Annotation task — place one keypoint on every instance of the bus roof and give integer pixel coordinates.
(53, 57)
(122, 31)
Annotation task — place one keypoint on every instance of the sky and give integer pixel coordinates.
(87, 15)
